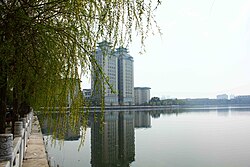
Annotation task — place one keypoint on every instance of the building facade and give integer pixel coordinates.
(222, 96)
(141, 95)
(108, 61)
(86, 93)
(125, 77)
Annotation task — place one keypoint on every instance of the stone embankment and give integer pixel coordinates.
(27, 148)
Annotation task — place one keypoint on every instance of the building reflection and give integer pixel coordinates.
(112, 134)
(113, 139)
(223, 111)
(126, 138)
(142, 120)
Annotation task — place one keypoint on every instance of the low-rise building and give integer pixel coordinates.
(222, 96)
(141, 95)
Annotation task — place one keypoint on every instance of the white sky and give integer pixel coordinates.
(203, 50)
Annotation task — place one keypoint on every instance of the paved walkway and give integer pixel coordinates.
(35, 155)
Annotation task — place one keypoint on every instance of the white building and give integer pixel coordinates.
(141, 95)
(125, 77)
(108, 61)
(222, 96)
(232, 96)
(86, 93)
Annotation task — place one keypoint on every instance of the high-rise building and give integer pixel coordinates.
(119, 69)
(125, 77)
(141, 95)
(108, 61)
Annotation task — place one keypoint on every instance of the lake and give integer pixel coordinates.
(193, 137)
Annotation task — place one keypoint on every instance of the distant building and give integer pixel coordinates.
(125, 77)
(108, 61)
(232, 97)
(118, 67)
(86, 93)
(222, 96)
(72, 83)
(243, 97)
(141, 95)
(199, 101)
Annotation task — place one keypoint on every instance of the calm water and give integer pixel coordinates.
(186, 138)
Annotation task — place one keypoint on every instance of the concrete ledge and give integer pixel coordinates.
(5, 164)
(35, 155)
(35, 163)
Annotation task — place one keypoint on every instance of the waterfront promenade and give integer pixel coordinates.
(35, 154)
(27, 149)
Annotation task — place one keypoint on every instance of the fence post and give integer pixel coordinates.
(18, 132)
(6, 147)
(24, 141)
(18, 128)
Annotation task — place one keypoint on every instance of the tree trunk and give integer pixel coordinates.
(15, 108)
(3, 97)
(24, 106)
(24, 109)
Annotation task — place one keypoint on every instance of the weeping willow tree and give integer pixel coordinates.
(47, 45)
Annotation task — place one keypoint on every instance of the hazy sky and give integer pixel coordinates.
(204, 50)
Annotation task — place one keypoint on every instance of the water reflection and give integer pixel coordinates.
(113, 143)
(215, 136)
(112, 135)
(142, 120)
(60, 127)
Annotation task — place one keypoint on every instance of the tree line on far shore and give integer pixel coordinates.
(240, 100)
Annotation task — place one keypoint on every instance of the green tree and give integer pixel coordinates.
(45, 43)
(155, 101)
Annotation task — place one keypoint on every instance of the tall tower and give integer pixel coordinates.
(108, 61)
(125, 77)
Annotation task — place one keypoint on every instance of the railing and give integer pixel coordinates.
(12, 151)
